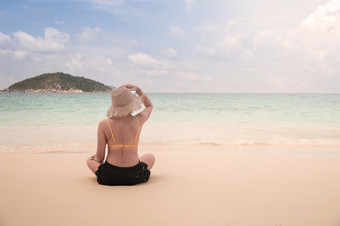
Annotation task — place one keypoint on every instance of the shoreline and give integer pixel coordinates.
(185, 188)
(90, 147)
(53, 91)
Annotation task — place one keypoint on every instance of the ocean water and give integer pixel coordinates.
(57, 119)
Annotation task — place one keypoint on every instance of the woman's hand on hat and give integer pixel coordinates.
(132, 87)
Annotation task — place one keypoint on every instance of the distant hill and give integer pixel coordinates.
(58, 82)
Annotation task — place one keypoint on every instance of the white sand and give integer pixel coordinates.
(186, 188)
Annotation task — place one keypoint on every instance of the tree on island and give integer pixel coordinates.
(58, 82)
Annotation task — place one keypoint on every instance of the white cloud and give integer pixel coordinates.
(227, 45)
(97, 41)
(60, 22)
(5, 41)
(19, 55)
(145, 61)
(304, 58)
(208, 51)
(89, 34)
(189, 5)
(315, 43)
(229, 42)
(53, 35)
(92, 65)
(76, 63)
(324, 13)
(53, 41)
(177, 32)
(170, 53)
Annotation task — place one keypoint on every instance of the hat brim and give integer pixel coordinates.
(136, 105)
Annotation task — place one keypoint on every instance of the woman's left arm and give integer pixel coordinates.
(101, 143)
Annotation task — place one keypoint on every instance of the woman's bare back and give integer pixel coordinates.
(126, 131)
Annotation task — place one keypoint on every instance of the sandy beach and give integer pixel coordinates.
(191, 187)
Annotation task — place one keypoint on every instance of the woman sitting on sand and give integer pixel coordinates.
(120, 131)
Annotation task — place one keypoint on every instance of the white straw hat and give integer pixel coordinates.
(123, 103)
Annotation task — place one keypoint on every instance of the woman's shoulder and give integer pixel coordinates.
(121, 121)
(102, 123)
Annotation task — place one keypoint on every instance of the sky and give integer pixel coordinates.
(229, 46)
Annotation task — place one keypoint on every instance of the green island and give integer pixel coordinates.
(58, 83)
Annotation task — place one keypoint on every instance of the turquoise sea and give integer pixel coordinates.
(58, 119)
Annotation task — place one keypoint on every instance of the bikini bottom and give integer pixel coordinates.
(108, 174)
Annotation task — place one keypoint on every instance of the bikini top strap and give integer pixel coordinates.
(113, 137)
(134, 141)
